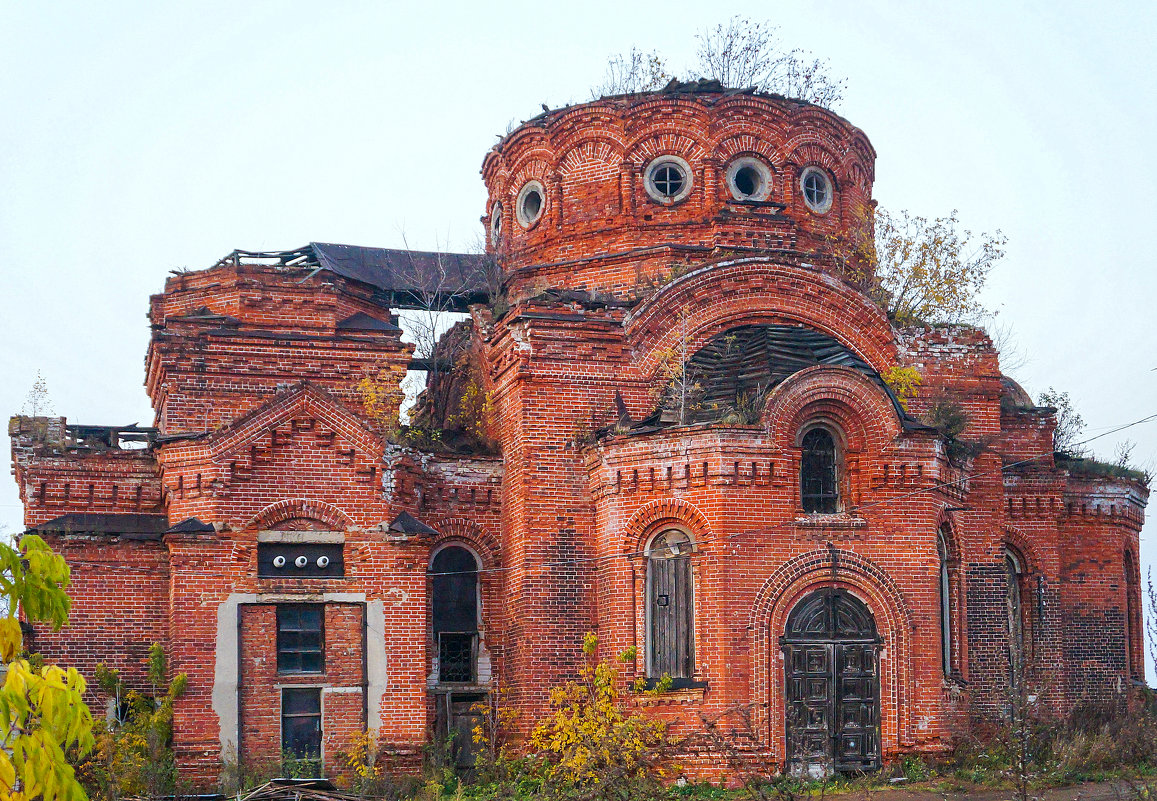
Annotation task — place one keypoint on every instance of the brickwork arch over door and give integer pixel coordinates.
(832, 685)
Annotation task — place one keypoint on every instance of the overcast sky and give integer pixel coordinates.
(138, 138)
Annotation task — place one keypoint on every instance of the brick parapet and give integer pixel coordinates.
(57, 474)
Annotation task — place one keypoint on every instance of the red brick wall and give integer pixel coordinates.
(119, 592)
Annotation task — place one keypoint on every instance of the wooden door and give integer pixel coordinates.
(832, 686)
(671, 639)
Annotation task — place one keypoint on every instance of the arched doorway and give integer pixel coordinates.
(832, 685)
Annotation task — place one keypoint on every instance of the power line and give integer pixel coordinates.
(728, 537)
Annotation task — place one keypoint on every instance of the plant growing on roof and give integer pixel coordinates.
(1070, 424)
(919, 271)
(678, 391)
(904, 381)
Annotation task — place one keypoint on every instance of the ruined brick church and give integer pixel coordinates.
(665, 421)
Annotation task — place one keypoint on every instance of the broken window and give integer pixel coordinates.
(1014, 607)
(670, 617)
(454, 613)
(301, 726)
(945, 603)
(819, 472)
(300, 638)
(1132, 669)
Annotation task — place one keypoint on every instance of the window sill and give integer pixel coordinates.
(443, 687)
(684, 695)
(839, 520)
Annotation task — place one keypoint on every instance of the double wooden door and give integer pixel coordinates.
(832, 686)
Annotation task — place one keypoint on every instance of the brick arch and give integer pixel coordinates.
(744, 143)
(870, 583)
(459, 529)
(297, 508)
(534, 165)
(751, 291)
(809, 152)
(580, 150)
(847, 397)
(663, 510)
(1024, 548)
(666, 139)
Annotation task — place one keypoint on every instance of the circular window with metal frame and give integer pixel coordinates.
(817, 189)
(530, 203)
(668, 180)
(748, 179)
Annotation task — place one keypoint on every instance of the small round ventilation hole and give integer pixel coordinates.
(529, 205)
(279, 561)
(748, 179)
(301, 561)
(323, 562)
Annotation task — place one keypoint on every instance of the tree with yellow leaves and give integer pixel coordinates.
(918, 270)
(591, 748)
(42, 711)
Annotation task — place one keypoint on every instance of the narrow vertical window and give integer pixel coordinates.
(1014, 580)
(454, 613)
(1132, 669)
(301, 724)
(300, 638)
(945, 604)
(819, 472)
(670, 618)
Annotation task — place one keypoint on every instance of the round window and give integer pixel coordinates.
(495, 223)
(817, 189)
(530, 202)
(668, 179)
(749, 179)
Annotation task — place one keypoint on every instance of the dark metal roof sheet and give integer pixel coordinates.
(748, 360)
(129, 526)
(406, 523)
(410, 277)
(190, 525)
(363, 322)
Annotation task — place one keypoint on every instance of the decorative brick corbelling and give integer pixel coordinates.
(304, 399)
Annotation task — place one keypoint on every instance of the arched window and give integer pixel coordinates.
(945, 603)
(454, 613)
(1132, 669)
(819, 472)
(670, 599)
(1014, 608)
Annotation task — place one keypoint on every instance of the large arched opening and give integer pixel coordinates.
(832, 685)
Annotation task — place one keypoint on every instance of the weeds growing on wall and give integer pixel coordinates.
(133, 754)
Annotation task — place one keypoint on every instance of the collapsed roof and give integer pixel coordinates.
(411, 278)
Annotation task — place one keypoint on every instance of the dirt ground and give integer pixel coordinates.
(1095, 791)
